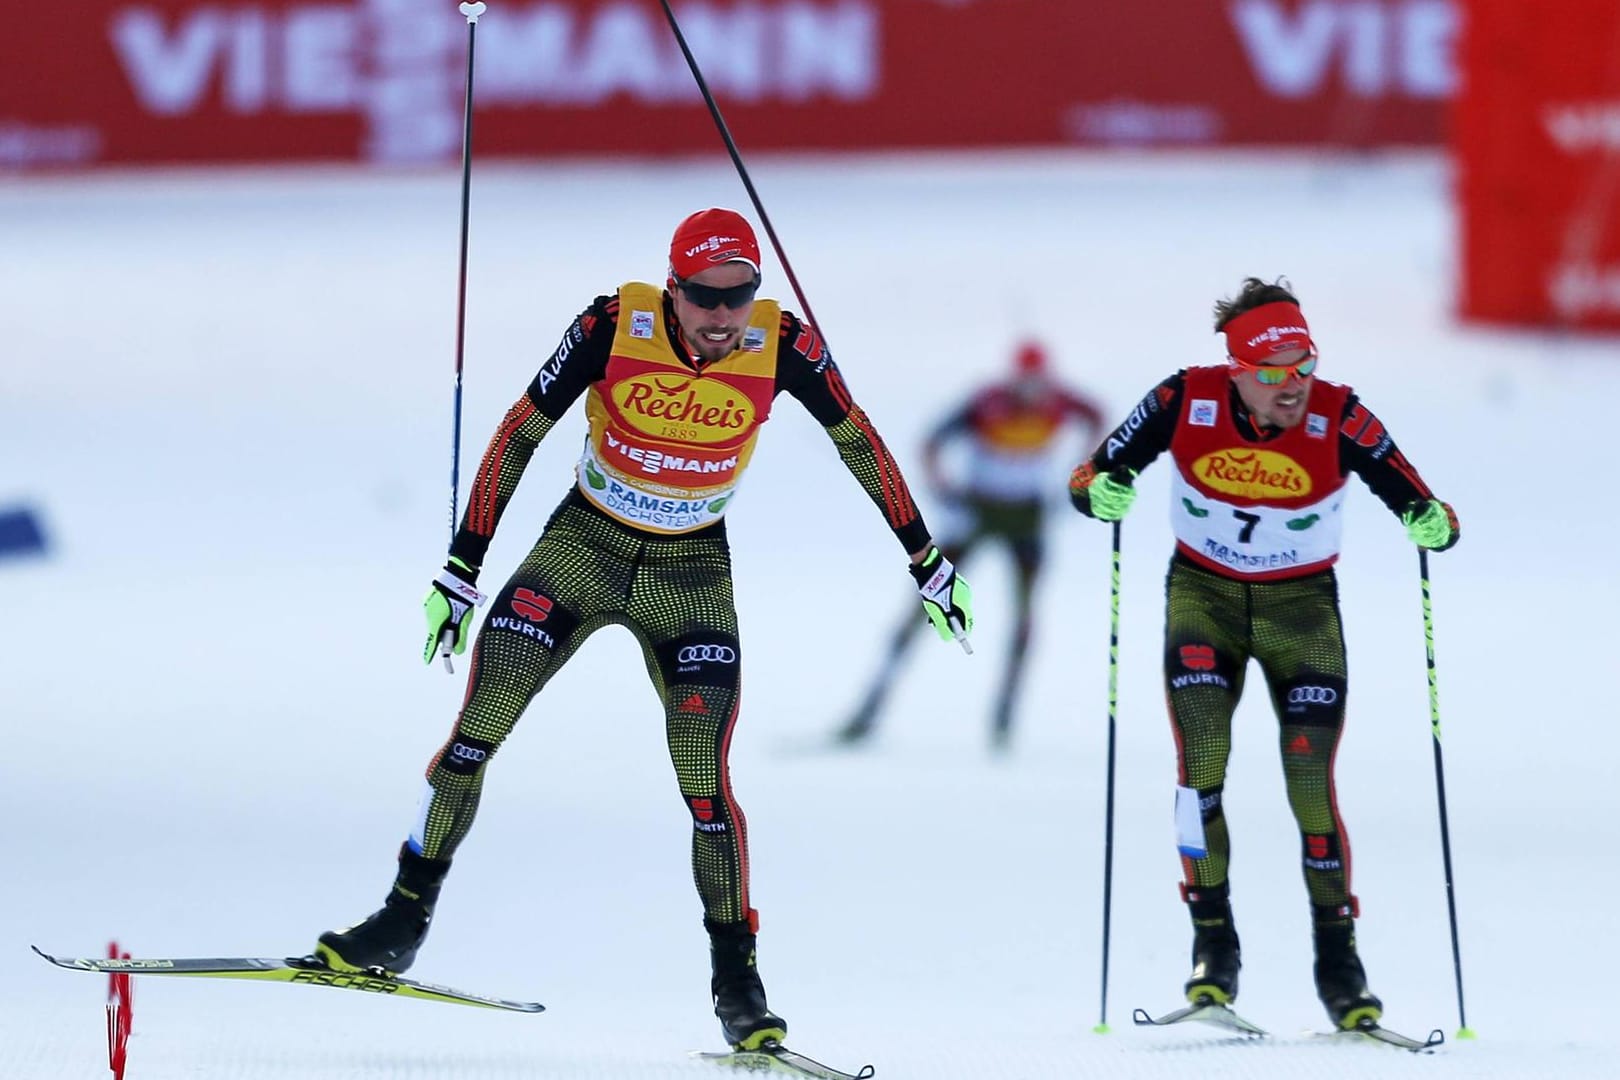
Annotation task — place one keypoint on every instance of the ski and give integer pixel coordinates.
(774, 1057)
(1222, 1016)
(1206, 1012)
(305, 971)
(1373, 1031)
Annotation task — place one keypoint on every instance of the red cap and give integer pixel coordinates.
(1030, 358)
(1261, 333)
(709, 238)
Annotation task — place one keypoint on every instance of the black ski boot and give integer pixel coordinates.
(389, 937)
(1341, 982)
(739, 996)
(1215, 954)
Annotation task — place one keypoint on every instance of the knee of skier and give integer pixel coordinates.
(710, 815)
(463, 755)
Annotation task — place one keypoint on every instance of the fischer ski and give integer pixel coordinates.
(304, 971)
(774, 1057)
(1205, 1012)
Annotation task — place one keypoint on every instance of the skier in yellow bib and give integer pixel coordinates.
(677, 384)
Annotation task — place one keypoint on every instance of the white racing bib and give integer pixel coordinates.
(1255, 539)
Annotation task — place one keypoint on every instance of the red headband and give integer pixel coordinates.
(1259, 334)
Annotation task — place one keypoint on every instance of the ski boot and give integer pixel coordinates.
(1341, 982)
(1216, 956)
(739, 996)
(388, 938)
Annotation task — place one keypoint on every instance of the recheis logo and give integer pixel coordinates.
(1253, 474)
(712, 409)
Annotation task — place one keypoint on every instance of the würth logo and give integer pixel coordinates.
(531, 605)
(1198, 657)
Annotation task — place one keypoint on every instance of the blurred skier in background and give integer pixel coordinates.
(1008, 431)
(677, 382)
(1262, 450)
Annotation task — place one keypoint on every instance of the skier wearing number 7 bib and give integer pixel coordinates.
(1262, 451)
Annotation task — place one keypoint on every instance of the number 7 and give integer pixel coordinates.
(1249, 522)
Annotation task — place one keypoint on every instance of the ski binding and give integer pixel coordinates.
(1203, 1012)
(1373, 1031)
(772, 1056)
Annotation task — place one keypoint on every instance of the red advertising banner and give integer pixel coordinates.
(1537, 133)
(156, 81)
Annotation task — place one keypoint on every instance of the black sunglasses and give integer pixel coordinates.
(709, 297)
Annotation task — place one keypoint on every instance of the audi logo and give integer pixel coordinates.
(468, 753)
(1312, 695)
(713, 654)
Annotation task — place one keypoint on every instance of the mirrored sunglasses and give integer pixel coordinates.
(1277, 374)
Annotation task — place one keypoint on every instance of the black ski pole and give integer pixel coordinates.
(472, 11)
(764, 218)
(1463, 1031)
(742, 170)
(1108, 815)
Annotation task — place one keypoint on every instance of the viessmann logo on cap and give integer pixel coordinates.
(1278, 333)
(718, 245)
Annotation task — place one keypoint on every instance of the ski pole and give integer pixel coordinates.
(957, 631)
(1108, 815)
(1463, 1030)
(472, 11)
(742, 170)
(960, 635)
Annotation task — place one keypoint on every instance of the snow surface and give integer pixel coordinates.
(229, 393)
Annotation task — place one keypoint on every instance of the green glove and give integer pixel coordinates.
(1431, 524)
(449, 609)
(946, 597)
(1104, 496)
